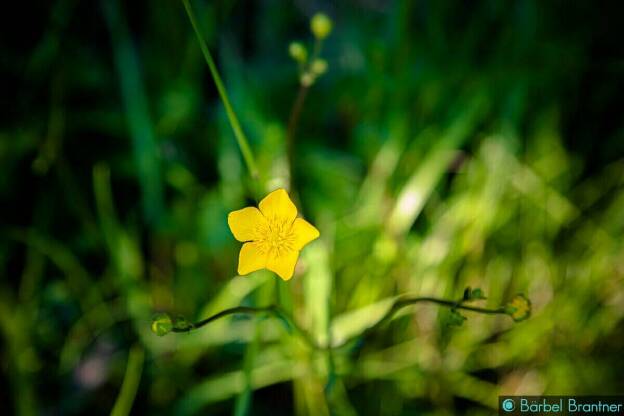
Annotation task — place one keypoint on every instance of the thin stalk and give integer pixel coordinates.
(295, 112)
(130, 385)
(278, 312)
(244, 399)
(316, 52)
(277, 294)
(243, 143)
(293, 121)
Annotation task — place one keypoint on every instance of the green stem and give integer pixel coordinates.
(243, 144)
(318, 45)
(292, 128)
(277, 294)
(278, 312)
(130, 385)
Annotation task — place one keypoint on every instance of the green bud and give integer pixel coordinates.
(298, 52)
(321, 25)
(161, 324)
(307, 79)
(519, 308)
(319, 66)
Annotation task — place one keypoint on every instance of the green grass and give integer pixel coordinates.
(445, 148)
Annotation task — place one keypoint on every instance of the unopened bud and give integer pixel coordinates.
(306, 79)
(319, 66)
(161, 324)
(321, 25)
(298, 52)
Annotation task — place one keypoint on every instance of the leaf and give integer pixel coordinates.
(355, 322)
(455, 318)
(473, 294)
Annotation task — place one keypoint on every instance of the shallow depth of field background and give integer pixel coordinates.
(450, 144)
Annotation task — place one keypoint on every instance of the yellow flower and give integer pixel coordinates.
(273, 235)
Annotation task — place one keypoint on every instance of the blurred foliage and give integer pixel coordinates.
(447, 144)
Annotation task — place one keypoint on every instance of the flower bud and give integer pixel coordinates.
(298, 52)
(161, 324)
(321, 25)
(319, 66)
(519, 308)
(306, 79)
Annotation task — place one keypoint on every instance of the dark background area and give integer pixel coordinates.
(118, 168)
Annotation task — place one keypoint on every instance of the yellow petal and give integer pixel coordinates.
(246, 223)
(303, 232)
(251, 258)
(283, 265)
(277, 204)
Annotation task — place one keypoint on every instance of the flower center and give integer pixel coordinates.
(277, 237)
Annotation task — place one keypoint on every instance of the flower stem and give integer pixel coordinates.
(271, 309)
(295, 113)
(292, 128)
(277, 294)
(278, 312)
(243, 143)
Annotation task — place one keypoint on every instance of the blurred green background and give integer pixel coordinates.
(449, 144)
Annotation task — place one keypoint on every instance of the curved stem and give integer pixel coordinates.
(400, 303)
(224, 313)
(278, 312)
(243, 144)
(271, 309)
